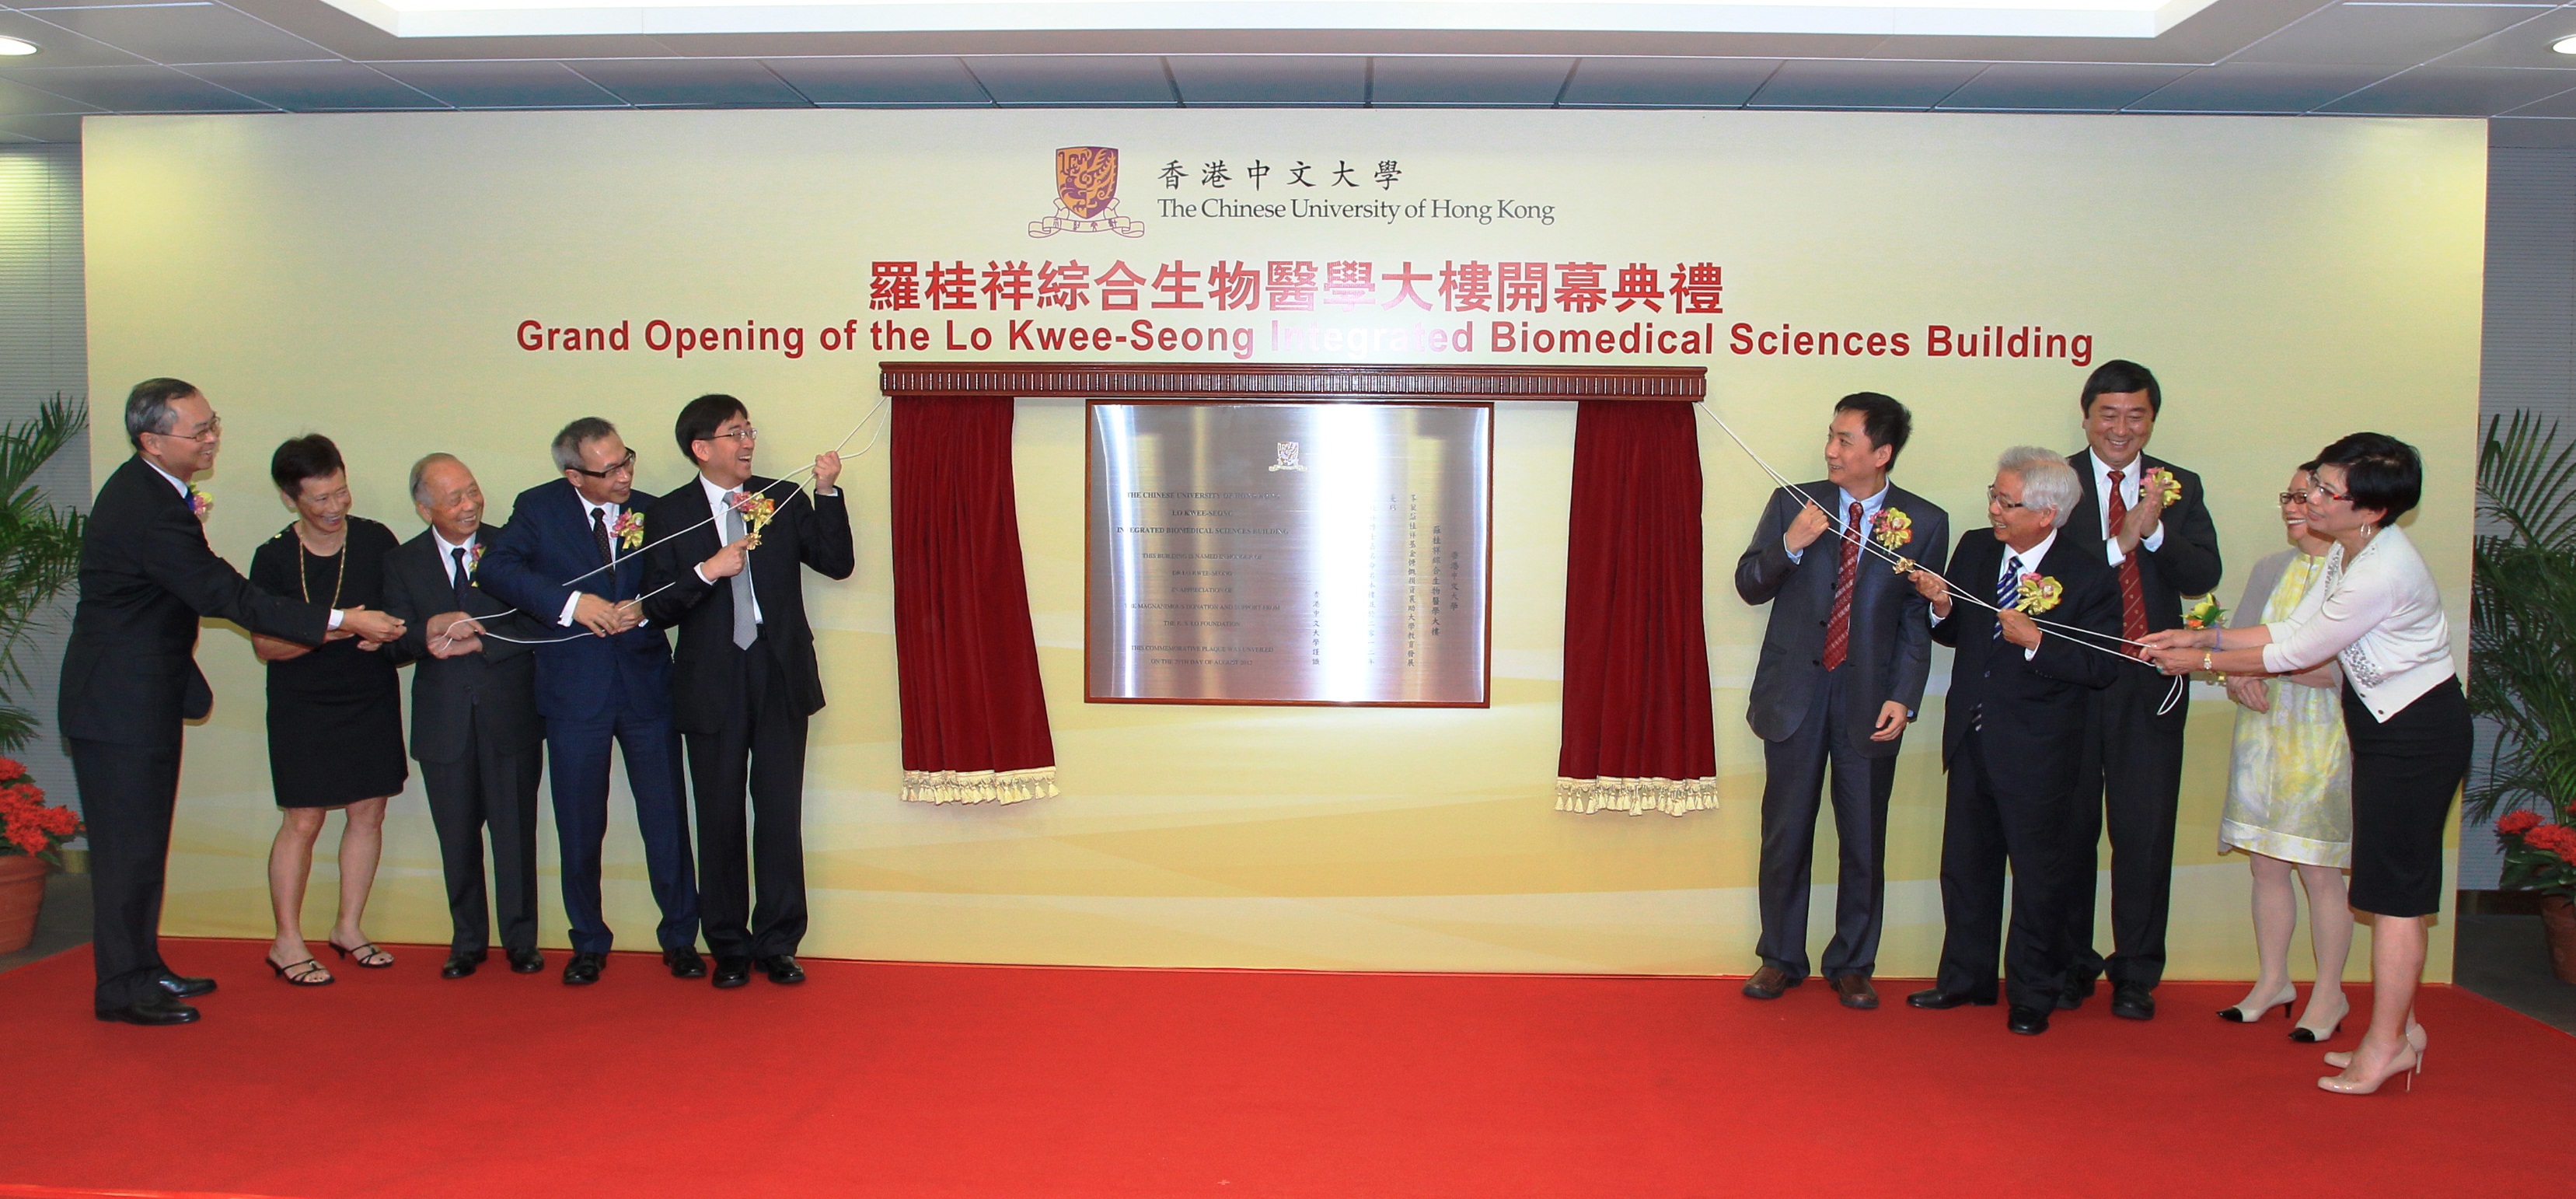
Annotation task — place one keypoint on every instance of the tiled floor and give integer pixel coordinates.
(2500, 957)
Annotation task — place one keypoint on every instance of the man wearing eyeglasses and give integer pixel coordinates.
(573, 555)
(745, 677)
(130, 679)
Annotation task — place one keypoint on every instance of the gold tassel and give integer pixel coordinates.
(1636, 797)
(979, 786)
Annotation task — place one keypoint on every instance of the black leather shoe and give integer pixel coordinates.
(461, 963)
(584, 969)
(2130, 1001)
(685, 962)
(156, 1008)
(182, 987)
(782, 969)
(2078, 988)
(732, 971)
(2028, 1021)
(1938, 1000)
(526, 961)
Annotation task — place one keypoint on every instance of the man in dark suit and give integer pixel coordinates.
(474, 725)
(1843, 665)
(130, 679)
(745, 679)
(2012, 734)
(572, 556)
(2161, 550)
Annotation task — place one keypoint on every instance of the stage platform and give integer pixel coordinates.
(904, 1079)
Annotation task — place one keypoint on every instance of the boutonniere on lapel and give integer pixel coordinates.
(200, 505)
(2165, 482)
(629, 530)
(2204, 615)
(2039, 593)
(1893, 530)
(756, 510)
(474, 564)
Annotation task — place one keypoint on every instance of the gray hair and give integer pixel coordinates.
(2046, 480)
(420, 475)
(576, 435)
(147, 407)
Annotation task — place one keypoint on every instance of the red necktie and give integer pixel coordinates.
(2133, 593)
(1838, 626)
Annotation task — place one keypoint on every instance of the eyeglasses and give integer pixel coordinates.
(624, 466)
(1997, 499)
(2320, 489)
(2293, 497)
(747, 433)
(214, 429)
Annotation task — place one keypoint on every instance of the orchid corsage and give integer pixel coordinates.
(1893, 530)
(756, 509)
(2038, 594)
(629, 530)
(474, 566)
(200, 505)
(2166, 483)
(2204, 615)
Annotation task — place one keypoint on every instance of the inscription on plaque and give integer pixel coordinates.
(1289, 553)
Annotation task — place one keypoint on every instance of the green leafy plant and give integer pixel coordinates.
(40, 548)
(2522, 624)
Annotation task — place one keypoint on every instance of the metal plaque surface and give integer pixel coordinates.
(1286, 553)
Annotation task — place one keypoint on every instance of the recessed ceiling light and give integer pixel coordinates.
(16, 46)
(2564, 45)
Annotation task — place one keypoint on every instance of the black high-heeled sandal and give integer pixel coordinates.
(306, 973)
(367, 954)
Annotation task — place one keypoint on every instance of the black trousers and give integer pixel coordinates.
(1792, 785)
(2132, 784)
(495, 788)
(127, 794)
(1983, 829)
(761, 748)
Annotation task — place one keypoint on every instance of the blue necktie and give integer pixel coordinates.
(2007, 589)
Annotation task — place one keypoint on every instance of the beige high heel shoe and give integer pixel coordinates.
(2409, 1062)
(2341, 1059)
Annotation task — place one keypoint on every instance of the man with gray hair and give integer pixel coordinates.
(2013, 737)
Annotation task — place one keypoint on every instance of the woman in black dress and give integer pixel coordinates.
(334, 712)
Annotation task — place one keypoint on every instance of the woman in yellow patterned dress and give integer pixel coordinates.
(2289, 794)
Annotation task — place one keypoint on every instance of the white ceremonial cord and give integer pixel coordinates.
(2173, 694)
(789, 477)
(443, 638)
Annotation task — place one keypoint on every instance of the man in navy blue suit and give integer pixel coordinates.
(573, 555)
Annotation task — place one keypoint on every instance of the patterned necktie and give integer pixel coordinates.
(599, 534)
(464, 582)
(1838, 625)
(2007, 589)
(2133, 591)
(745, 624)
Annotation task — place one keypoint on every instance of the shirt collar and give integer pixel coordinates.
(2128, 474)
(716, 494)
(2032, 557)
(447, 549)
(175, 481)
(1868, 504)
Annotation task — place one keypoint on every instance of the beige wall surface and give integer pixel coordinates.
(368, 277)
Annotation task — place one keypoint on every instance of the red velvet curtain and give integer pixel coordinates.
(1638, 734)
(974, 717)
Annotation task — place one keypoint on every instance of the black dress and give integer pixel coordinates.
(335, 714)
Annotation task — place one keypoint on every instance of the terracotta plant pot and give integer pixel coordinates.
(22, 891)
(2558, 922)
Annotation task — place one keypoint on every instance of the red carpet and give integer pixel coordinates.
(890, 1079)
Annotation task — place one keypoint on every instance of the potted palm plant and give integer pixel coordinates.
(2522, 636)
(39, 557)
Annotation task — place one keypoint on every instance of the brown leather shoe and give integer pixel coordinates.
(1856, 991)
(1769, 982)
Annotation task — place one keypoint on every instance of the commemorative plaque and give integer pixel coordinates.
(1289, 553)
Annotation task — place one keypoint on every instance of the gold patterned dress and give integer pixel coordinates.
(2289, 793)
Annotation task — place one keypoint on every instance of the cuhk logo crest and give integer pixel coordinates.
(1086, 195)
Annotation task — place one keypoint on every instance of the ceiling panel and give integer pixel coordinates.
(2207, 36)
(43, 129)
(1267, 79)
(933, 82)
(134, 89)
(2259, 88)
(185, 33)
(18, 100)
(1903, 85)
(2386, 35)
(1667, 82)
(2061, 87)
(1408, 81)
(2456, 92)
(60, 47)
(1117, 81)
(314, 86)
(2557, 134)
(503, 84)
(2562, 105)
(692, 82)
(2521, 46)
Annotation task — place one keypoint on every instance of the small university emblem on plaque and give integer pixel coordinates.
(1288, 457)
(1086, 195)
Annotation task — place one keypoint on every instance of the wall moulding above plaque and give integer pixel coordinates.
(1088, 380)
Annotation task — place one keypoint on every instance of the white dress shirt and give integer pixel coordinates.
(2381, 615)
(716, 504)
(2155, 538)
(1842, 514)
(447, 554)
(2016, 562)
(607, 514)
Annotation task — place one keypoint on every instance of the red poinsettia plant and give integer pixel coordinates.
(29, 825)
(2538, 855)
